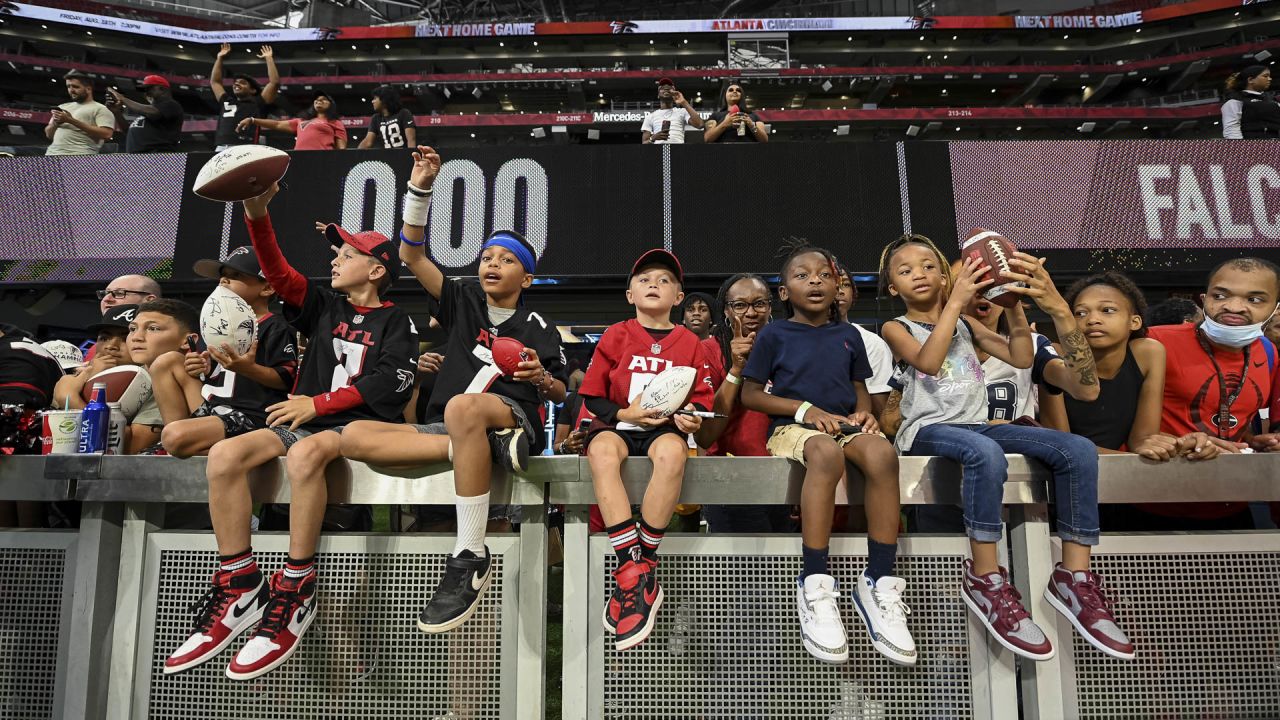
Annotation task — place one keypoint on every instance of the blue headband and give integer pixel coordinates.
(516, 247)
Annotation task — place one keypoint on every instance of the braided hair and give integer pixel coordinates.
(886, 256)
(1121, 284)
(722, 331)
(793, 248)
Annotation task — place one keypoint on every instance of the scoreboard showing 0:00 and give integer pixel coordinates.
(461, 212)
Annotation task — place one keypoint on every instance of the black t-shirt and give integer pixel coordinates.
(28, 372)
(160, 134)
(276, 350)
(731, 135)
(468, 366)
(569, 411)
(233, 111)
(361, 360)
(389, 130)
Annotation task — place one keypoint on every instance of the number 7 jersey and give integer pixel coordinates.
(359, 363)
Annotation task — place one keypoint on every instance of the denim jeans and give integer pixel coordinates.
(1072, 459)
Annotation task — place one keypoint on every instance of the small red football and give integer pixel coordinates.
(995, 251)
(508, 353)
(241, 172)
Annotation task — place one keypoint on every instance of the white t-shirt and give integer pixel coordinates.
(678, 116)
(1011, 392)
(880, 357)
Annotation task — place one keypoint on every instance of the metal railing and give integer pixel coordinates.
(125, 581)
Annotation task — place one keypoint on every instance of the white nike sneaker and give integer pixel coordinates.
(885, 615)
(820, 626)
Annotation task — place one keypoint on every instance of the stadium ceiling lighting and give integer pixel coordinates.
(921, 37)
(88, 32)
(686, 41)
(1146, 127)
(955, 37)
(993, 90)
(928, 57)
(44, 27)
(650, 42)
(601, 94)
(1138, 30)
(957, 128)
(501, 44)
(387, 46)
(535, 43)
(181, 46)
(944, 57)
(473, 134)
(850, 38)
(1064, 37)
(353, 47)
(1019, 128)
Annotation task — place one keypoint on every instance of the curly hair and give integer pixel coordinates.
(1118, 282)
(793, 248)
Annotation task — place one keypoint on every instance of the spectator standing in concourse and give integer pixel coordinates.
(734, 122)
(158, 125)
(81, 126)
(247, 99)
(666, 124)
(320, 128)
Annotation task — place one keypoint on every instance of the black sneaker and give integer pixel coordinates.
(641, 596)
(510, 448)
(466, 577)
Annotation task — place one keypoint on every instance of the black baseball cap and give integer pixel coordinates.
(117, 317)
(371, 243)
(242, 259)
(658, 256)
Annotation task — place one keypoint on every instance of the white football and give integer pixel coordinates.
(226, 319)
(669, 390)
(241, 172)
(128, 385)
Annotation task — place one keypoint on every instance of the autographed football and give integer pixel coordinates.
(226, 319)
(508, 353)
(669, 390)
(995, 251)
(241, 172)
(129, 385)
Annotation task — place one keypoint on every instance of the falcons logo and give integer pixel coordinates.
(620, 27)
(8, 8)
(406, 380)
(921, 22)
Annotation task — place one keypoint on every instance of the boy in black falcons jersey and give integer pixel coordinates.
(475, 414)
(358, 366)
(204, 402)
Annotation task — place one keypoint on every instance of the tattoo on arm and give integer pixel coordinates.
(1079, 358)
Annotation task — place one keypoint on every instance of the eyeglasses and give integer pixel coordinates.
(120, 294)
(734, 89)
(739, 307)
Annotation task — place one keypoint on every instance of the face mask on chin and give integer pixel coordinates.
(1235, 336)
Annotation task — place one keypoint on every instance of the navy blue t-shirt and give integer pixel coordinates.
(807, 363)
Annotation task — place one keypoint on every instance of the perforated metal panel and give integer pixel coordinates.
(362, 658)
(34, 611)
(1204, 612)
(727, 641)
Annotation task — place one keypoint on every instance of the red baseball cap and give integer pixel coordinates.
(154, 80)
(665, 81)
(658, 256)
(374, 244)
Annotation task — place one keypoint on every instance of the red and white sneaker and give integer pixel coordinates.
(232, 604)
(286, 618)
(641, 596)
(1080, 598)
(999, 606)
(613, 607)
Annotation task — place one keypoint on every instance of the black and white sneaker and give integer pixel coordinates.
(466, 577)
(510, 448)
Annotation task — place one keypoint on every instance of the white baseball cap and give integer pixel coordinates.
(68, 355)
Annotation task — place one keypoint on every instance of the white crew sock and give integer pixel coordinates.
(473, 518)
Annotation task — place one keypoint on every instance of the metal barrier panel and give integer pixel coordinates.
(364, 655)
(37, 568)
(1202, 610)
(727, 641)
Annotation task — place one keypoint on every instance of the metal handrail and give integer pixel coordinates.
(566, 480)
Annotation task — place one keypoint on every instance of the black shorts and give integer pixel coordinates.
(234, 422)
(638, 442)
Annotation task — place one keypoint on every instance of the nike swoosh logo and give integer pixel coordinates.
(477, 582)
(301, 614)
(1260, 363)
(238, 611)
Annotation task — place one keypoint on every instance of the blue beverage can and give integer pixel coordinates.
(95, 422)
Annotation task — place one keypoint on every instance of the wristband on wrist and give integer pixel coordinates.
(407, 241)
(732, 379)
(417, 203)
(800, 411)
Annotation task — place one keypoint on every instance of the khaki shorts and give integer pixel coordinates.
(787, 441)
